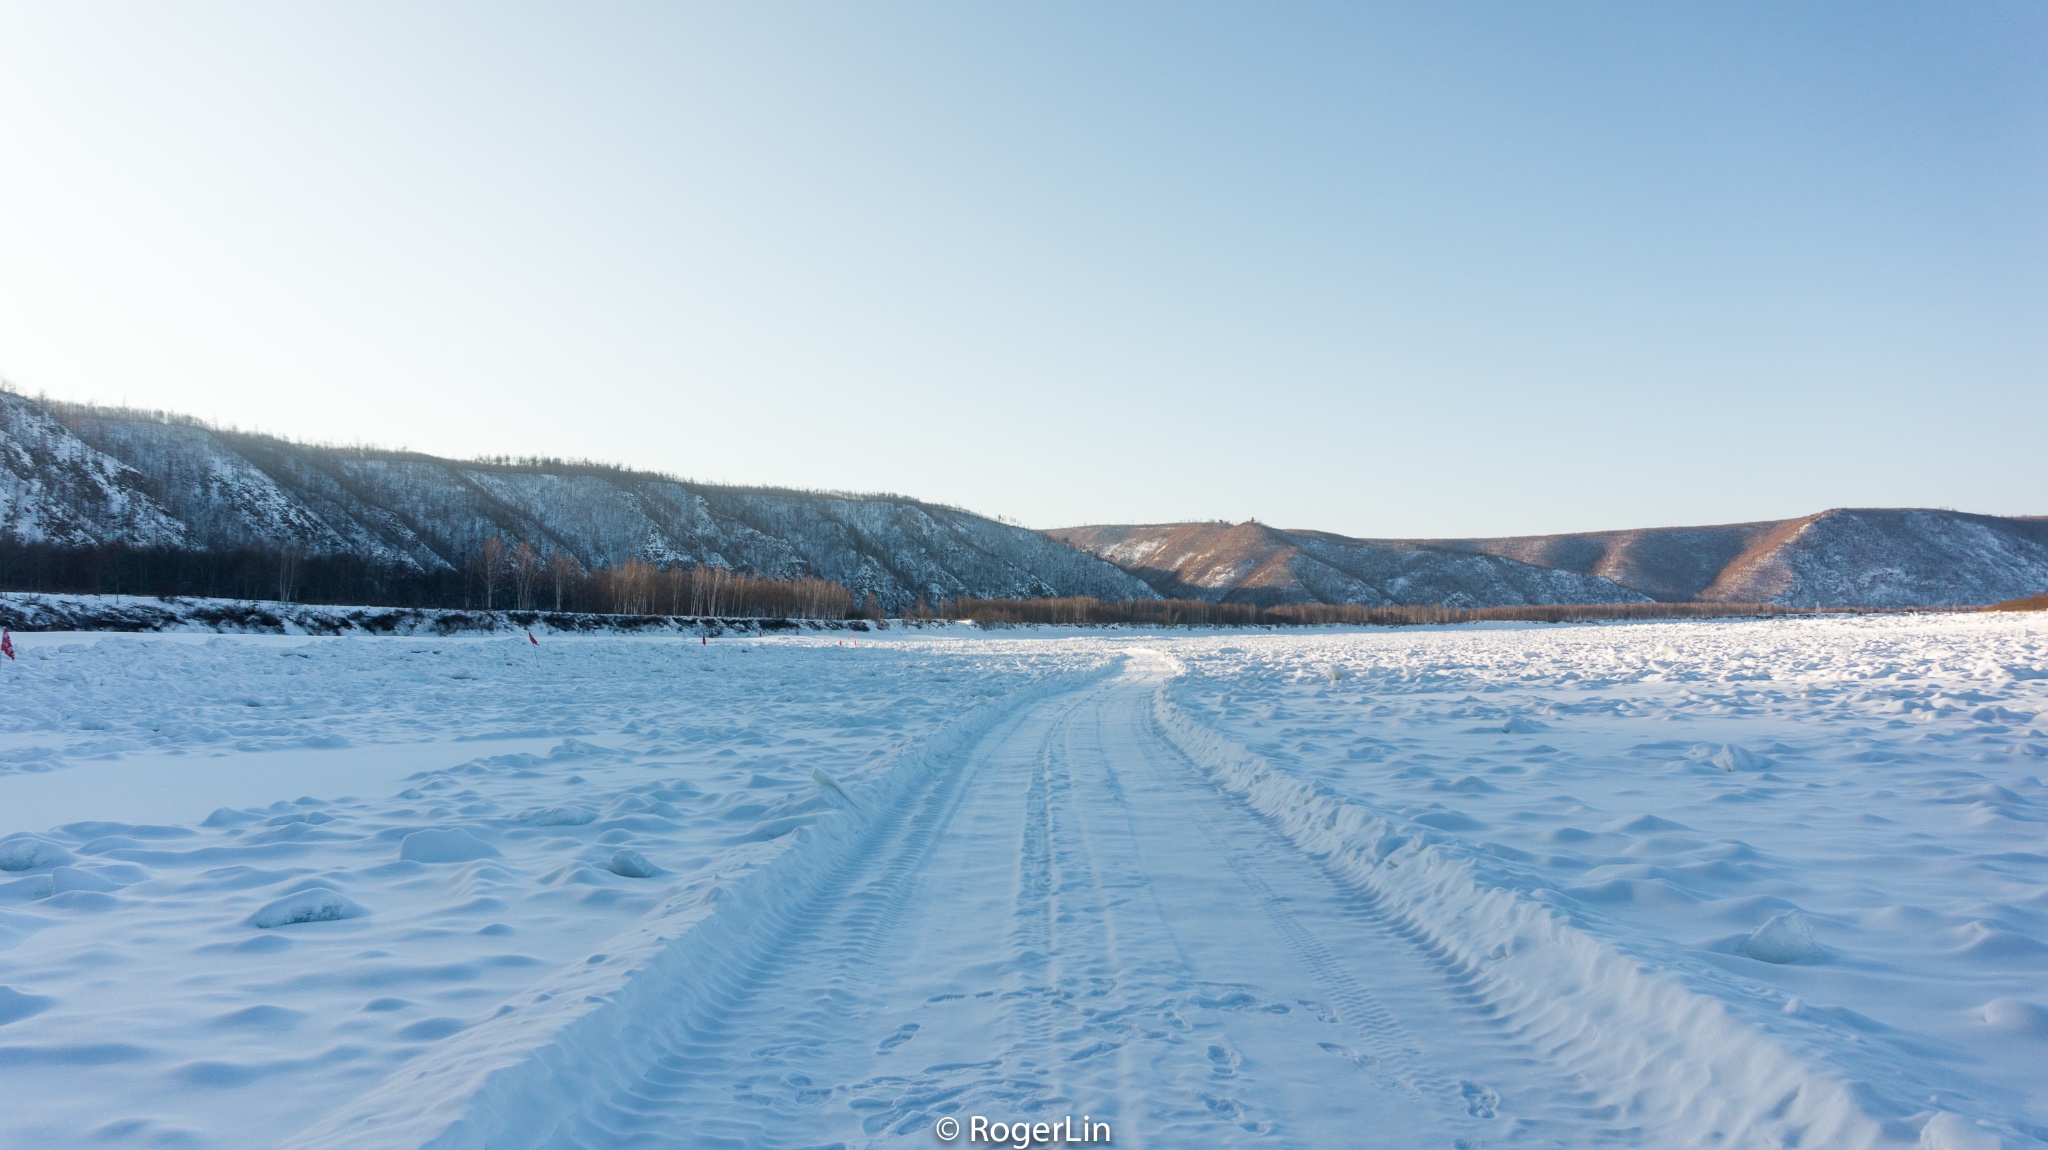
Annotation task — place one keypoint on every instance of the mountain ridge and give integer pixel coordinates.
(75, 478)
(81, 477)
(1873, 557)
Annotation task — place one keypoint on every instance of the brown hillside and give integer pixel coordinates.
(1846, 557)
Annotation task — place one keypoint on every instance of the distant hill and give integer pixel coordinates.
(84, 478)
(1253, 563)
(89, 481)
(1843, 557)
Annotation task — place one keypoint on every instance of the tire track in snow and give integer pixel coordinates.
(1473, 1056)
(666, 1106)
(1624, 1052)
(1056, 925)
(1030, 937)
(1391, 1054)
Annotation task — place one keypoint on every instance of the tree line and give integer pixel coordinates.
(1200, 613)
(505, 574)
(515, 575)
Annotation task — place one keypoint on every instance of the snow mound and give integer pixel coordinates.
(1785, 937)
(66, 878)
(632, 864)
(2017, 1016)
(1947, 1131)
(15, 1006)
(558, 817)
(445, 846)
(314, 904)
(27, 852)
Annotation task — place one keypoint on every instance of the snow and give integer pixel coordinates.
(1719, 883)
(314, 904)
(1828, 829)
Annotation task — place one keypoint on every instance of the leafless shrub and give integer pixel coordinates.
(637, 587)
(2030, 603)
(1197, 613)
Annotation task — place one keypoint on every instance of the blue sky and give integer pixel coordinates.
(1435, 269)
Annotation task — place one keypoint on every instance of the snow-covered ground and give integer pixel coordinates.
(1731, 883)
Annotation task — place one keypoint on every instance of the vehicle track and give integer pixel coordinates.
(1074, 921)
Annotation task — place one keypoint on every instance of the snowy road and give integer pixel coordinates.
(1036, 937)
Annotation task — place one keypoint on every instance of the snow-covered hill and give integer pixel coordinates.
(1838, 558)
(84, 477)
(81, 477)
(1864, 557)
(1253, 563)
(55, 488)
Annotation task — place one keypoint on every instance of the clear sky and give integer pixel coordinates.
(1432, 269)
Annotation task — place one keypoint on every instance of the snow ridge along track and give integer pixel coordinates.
(510, 1081)
(1662, 1063)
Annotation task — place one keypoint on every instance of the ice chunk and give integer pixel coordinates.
(314, 904)
(831, 784)
(1786, 937)
(1728, 756)
(442, 846)
(27, 852)
(632, 864)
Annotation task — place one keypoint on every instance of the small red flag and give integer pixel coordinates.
(6, 643)
(531, 639)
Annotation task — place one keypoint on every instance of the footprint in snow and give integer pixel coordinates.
(1322, 1012)
(1480, 1102)
(1364, 1061)
(903, 1034)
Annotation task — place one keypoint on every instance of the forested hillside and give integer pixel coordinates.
(138, 496)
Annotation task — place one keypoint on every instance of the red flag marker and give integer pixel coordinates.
(6, 643)
(531, 639)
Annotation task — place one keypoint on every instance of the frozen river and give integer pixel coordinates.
(1733, 883)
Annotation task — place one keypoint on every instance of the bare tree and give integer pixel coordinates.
(632, 587)
(563, 571)
(526, 571)
(290, 560)
(491, 567)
